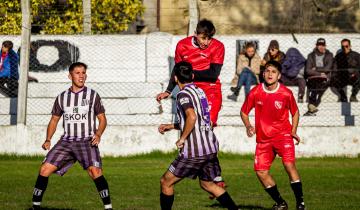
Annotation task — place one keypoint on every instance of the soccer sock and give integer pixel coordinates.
(274, 193)
(296, 186)
(166, 201)
(227, 201)
(39, 189)
(103, 189)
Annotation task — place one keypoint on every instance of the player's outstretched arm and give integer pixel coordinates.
(295, 123)
(50, 131)
(100, 130)
(166, 127)
(250, 131)
(189, 126)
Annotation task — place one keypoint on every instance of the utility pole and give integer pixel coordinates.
(24, 61)
(87, 17)
(193, 16)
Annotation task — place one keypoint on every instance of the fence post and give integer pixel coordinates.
(87, 17)
(193, 16)
(24, 61)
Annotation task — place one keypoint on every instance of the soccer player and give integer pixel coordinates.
(274, 133)
(198, 144)
(206, 55)
(79, 106)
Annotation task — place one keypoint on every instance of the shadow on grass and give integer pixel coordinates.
(242, 207)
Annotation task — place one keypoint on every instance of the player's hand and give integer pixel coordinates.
(180, 143)
(165, 127)
(296, 138)
(46, 145)
(95, 141)
(162, 96)
(250, 131)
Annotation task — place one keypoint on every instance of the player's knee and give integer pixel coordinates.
(46, 169)
(206, 185)
(94, 172)
(163, 182)
(262, 173)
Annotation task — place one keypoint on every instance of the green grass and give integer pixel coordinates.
(329, 183)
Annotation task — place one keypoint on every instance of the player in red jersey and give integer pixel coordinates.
(206, 56)
(274, 132)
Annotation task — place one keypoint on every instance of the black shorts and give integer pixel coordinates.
(205, 167)
(65, 153)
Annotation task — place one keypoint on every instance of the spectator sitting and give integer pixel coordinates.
(318, 69)
(293, 71)
(247, 71)
(273, 53)
(9, 74)
(346, 66)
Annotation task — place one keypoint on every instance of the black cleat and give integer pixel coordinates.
(300, 206)
(281, 206)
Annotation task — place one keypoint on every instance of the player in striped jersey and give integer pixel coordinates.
(198, 144)
(80, 107)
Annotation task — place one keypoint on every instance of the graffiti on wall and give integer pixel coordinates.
(65, 54)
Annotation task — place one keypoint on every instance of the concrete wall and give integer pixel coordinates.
(127, 140)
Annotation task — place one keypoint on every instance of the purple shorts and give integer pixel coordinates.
(65, 153)
(206, 167)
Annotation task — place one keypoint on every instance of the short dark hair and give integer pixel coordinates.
(184, 72)
(205, 27)
(8, 44)
(274, 64)
(346, 40)
(250, 45)
(77, 64)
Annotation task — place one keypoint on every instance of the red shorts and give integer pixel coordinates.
(266, 152)
(214, 97)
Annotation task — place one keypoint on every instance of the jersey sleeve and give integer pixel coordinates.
(249, 103)
(98, 105)
(185, 101)
(178, 52)
(292, 104)
(57, 110)
(218, 54)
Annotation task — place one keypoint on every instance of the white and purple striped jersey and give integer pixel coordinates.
(79, 111)
(202, 140)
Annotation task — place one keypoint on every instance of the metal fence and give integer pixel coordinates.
(129, 70)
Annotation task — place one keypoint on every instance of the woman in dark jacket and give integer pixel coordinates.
(273, 53)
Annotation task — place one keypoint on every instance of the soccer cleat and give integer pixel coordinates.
(301, 206)
(220, 184)
(281, 206)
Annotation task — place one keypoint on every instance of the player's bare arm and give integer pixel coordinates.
(250, 130)
(189, 126)
(50, 131)
(102, 125)
(162, 96)
(166, 127)
(295, 123)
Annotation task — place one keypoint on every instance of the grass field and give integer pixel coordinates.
(329, 183)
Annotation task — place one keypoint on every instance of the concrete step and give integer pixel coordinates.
(325, 109)
(305, 121)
